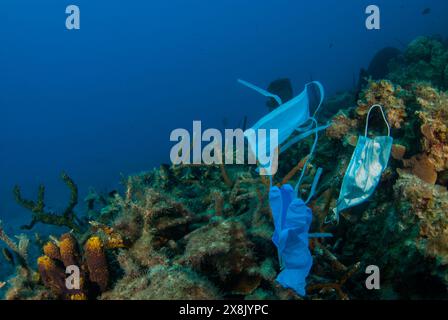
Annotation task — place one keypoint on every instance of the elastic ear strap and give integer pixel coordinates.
(322, 94)
(262, 91)
(314, 186)
(305, 166)
(384, 117)
(302, 136)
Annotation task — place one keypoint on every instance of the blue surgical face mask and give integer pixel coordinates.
(289, 117)
(364, 172)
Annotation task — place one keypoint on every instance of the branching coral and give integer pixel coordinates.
(294, 171)
(66, 219)
(336, 286)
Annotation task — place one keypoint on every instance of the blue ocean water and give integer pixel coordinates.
(101, 101)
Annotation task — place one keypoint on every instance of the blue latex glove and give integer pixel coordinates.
(292, 220)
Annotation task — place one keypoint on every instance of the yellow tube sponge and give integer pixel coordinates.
(96, 262)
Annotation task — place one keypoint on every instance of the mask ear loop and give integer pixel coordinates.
(261, 91)
(305, 166)
(322, 94)
(384, 117)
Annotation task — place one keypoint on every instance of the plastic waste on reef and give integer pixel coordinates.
(364, 171)
(292, 116)
(292, 220)
(292, 216)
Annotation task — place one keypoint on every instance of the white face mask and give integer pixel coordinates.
(369, 160)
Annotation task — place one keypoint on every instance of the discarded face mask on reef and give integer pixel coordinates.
(289, 117)
(365, 169)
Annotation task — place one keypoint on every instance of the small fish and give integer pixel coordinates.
(2, 284)
(8, 256)
(426, 11)
(331, 45)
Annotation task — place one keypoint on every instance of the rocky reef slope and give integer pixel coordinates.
(204, 232)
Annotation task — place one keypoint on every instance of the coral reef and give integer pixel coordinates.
(24, 285)
(434, 122)
(425, 209)
(388, 95)
(340, 126)
(204, 232)
(425, 59)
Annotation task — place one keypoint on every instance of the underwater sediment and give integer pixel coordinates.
(204, 232)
